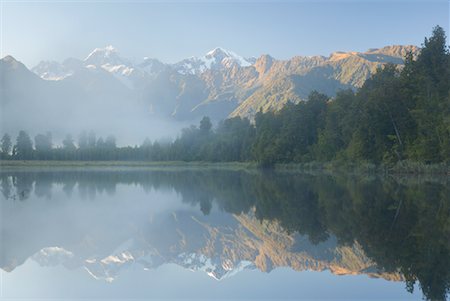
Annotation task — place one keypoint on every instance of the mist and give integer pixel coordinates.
(86, 101)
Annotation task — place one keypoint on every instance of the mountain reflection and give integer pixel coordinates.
(397, 229)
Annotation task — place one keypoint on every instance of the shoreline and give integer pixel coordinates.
(401, 168)
(150, 165)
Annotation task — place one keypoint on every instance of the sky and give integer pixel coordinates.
(32, 31)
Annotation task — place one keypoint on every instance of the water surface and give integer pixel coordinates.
(221, 234)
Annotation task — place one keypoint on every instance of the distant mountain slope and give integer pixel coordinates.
(292, 80)
(219, 84)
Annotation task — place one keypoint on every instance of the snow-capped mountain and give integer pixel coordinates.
(52, 70)
(217, 58)
(219, 84)
(152, 66)
(107, 56)
(109, 237)
(109, 59)
(109, 268)
(210, 252)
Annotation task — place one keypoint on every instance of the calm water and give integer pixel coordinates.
(217, 234)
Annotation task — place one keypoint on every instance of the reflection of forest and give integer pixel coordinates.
(402, 225)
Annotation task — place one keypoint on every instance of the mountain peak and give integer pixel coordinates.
(10, 62)
(107, 50)
(52, 70)
(106, 55)
(219, 54)
(219, 51)
(395, 50)
(263, 63)
(9, 58)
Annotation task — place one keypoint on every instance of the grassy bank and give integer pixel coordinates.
(5, 164)
(401, 168)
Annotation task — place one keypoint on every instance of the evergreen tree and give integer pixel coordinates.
(83, 140)
(43, 145)
(110, 142)
(205, 124)
(5, 145)
(92, 140)
(68, 143)
(24, 146)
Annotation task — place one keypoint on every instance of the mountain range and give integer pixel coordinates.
(219, 84)
(106, 221)
(220, 246)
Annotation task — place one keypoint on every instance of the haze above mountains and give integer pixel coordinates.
(148, 98)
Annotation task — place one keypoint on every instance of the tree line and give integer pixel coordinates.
(398, 114)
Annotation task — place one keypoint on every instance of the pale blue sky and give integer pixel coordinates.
(37, 30)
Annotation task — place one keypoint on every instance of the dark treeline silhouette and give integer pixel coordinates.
(399, 114)
(402, 224)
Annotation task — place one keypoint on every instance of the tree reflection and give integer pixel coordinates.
(402, 224)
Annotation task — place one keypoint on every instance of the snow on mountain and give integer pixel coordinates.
(214, 267)
(106, 56)
(110, 60)
(217, 58)
(151, 66)
(109, 267)
(221, 83)
(51, 70)
(52, 256)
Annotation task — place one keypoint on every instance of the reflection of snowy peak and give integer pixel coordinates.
(216, 268)
(220, 246)
(52, 256)
(110, 267)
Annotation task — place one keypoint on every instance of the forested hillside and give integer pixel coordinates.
(400, 113)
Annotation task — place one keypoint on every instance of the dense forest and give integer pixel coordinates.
(398, 114)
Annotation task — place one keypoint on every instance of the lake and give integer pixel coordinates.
(136, 233)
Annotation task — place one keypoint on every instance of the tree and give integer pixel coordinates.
(43, 145)
(110, 142)
(339, 124)
(42, 142)
(6, 145)
(68, 143)
(92, 139)
(24, 146)
(205, 124)
(100, 143)
(431, 107)
(83, 140)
